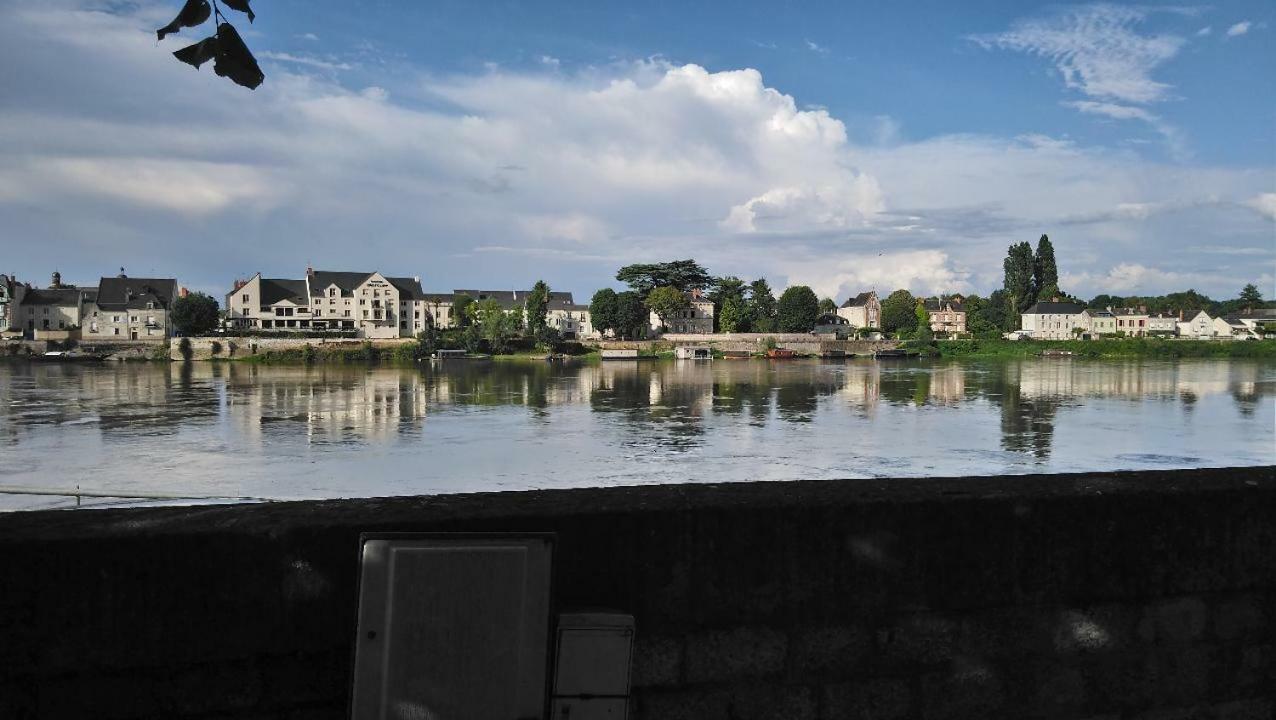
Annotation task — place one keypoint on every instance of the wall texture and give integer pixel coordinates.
(230, 346)
(1123, 595)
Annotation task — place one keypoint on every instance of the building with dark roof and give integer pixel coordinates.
(363, 304)
(57, 307)
(947, 316)
(1054, 320)
(130, 309)
(863, 310)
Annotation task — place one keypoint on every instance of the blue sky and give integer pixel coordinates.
(493, 144)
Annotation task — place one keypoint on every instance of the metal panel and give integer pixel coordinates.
(452, 628)
(591, 677)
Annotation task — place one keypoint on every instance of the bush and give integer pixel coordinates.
(308, 354)
(215, 348)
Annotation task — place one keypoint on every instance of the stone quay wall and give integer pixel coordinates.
(804, 343)
(235, 347)
(1112, 596)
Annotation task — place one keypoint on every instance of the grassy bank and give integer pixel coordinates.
(1114, 348)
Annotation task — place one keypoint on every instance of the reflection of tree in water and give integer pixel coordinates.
(1027, 424)
(658, 408)
(1249, 396)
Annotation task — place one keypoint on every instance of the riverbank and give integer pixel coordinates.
(1115, 348)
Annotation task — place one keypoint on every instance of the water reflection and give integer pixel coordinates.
(617, 421)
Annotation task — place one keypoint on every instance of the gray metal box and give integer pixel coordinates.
(591, 678)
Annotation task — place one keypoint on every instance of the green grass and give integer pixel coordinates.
(1113, 348)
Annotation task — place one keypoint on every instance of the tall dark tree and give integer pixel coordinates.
(828, 306)
(631, 315)
(684, 275)
(797, 309)
(1045, 272)
(537, 309)
(1251, 296)
(898, 312)
(195, 314)
(724, 289)
(603, 309)
(761, 306)
(1018, 282)
(461, 310)
(997, 311)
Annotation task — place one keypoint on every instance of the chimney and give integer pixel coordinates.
(183, 292)
(122, 272)
(57, 280)
(417, 278)
(310, 272)
(1180, 314)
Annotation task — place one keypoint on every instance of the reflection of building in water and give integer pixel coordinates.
(947, 384)
(326, 404)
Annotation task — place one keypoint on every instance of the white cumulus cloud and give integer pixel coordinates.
(1239, 28)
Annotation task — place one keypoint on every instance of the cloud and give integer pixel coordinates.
(303, 60)
(1264, 204)
(1096, 49)
(816, 47)
(1239, 28)
(1173, 136)
(1205, 31)
(503, 177)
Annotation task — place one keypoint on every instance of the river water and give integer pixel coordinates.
(241, 430)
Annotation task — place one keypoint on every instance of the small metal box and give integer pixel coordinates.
(591, 677)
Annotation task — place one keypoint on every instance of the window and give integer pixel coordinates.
(332, 292)
(365, 314)
(133, 318)
(115, 318)
(116, 331)
(244, 298)
(347, 313)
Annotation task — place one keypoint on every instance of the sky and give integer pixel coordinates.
(491, 144)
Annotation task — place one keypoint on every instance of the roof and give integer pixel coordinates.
(274, 290)
(1255, 314)
(346, 281)
(127, 293)
(58, 296)
(1126, 312)
(937, 305)
(436, 297)
(1055, 308)
(409, 288)
(859, 300)
(830, 319)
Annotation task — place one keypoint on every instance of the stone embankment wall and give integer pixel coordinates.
(1126, 596)
(235, 347)
(804, 343)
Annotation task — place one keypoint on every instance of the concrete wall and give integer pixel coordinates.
(232, 347)
(1143, 596)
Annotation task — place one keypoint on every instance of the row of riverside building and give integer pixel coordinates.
(118, 309)
(373, 305)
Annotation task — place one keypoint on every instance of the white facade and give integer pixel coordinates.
(1204, 327)
(1054, 320)
(696, 319)
(864, 311)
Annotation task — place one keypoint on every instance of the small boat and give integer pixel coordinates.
(888, 354)
(780, 354)
(1052, 352)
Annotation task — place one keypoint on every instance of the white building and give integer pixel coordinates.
(864, 310)
(1054, 320)
(1204, 327)
(1099, 323)
(130, 309)
(1162, 324)
(1131, 321)
(367, 304)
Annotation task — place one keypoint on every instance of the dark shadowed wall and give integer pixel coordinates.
(1125, 595)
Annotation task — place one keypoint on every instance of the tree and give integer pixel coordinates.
(603, 311)
(734, 316)
(195, 314)
(761, 306)
(536, 308)
(1103, 302)
(828, 306)
(923, 331)
(461, 310)
(797, 310)
(1018, 282)
(979, 323)
(1045, 272)
(496, 326)
(897, 312)
(1251, 296)
(231, 57)
(996, 311)
(724, 289)
(682, 275)
(665, 302)
(631, 315)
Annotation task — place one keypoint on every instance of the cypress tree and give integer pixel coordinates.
(1018, 283)
(1045, 273)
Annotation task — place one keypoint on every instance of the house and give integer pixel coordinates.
(367, 304)
(1131, 321)
(1204, 327)
(1260, 323)
(571, 320)
(833, 324)
(1053, 320)
(1099, 323)
(1162, 324)
(55, 308)
(863, 310)
(697, 318)
(947, 317)
(130, 309)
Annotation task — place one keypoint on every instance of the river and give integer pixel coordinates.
(239, 430)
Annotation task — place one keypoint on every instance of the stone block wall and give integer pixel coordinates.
(233, 347)
(1142, 596)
